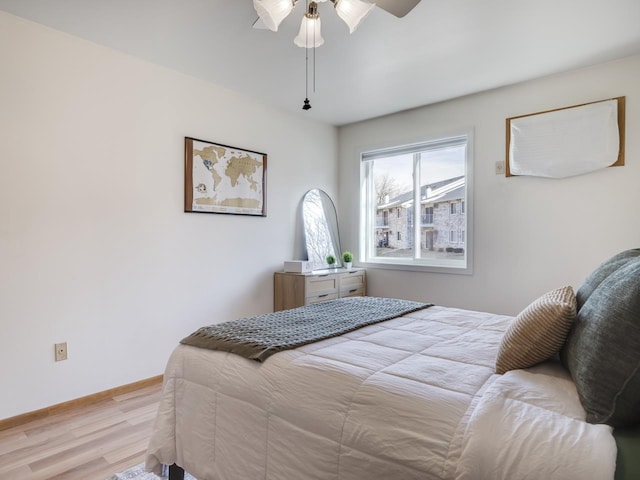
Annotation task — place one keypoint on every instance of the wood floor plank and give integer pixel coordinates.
(20, 473)
(12, 442)
(79, 472)
(141, 392)
(141, 415)
(123, 465)
(134, 446)
(67, 418)
(91, 442)
(12, 435)
(88, 446)
(94, 414)
(135, 403)
(99, 424)
(49, 448)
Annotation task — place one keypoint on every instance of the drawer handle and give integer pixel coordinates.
(325, 295)
(352, 272)
(325, 275)
(354, 290)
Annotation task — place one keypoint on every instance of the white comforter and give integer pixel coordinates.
(410, 398)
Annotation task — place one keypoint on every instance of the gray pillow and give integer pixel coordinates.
(603, 349)
(605, 269)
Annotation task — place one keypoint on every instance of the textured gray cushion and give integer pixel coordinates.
(603, 349)
(605, 269)
(538, 332)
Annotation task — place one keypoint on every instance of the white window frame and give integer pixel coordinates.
(368, 217)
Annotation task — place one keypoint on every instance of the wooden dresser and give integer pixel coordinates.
(292, 290)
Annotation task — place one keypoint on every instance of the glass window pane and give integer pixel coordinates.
(393, 183)
(442, 183)
(414, 204)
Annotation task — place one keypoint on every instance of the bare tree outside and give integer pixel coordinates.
(386, 188)
(320, 228)
(436, 228)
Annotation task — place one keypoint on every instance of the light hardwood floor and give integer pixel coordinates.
(86, 443)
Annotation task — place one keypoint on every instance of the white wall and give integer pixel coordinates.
(531, 234)
(95, 249)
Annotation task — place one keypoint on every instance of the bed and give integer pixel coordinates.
(411, 397)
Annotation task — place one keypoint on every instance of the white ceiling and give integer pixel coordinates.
(441, 50)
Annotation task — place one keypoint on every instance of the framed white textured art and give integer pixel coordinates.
(567, 141)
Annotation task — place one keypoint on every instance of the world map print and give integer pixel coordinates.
(227, 180)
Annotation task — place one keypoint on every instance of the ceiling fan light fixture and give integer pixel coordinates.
(352, 12)
(310, 34)
(272, 12)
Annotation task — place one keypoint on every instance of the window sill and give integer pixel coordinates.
(416, 267)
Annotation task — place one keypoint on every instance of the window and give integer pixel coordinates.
(428, 215)
(430, 182)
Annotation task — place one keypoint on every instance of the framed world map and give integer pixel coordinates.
(223, 179)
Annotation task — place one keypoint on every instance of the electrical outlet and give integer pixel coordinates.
(500, 167)
(61, 351)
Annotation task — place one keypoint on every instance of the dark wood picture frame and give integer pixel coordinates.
(239, 169)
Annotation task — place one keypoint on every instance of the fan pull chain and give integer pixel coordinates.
(307, 105)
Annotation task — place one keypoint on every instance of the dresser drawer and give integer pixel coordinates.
(321, 298)
(293, 290)
(321, 285)
(353, 292)
(351, 280)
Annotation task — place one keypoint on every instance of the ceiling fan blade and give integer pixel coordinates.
(399, 8)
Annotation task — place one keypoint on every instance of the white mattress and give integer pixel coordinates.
(410, 398)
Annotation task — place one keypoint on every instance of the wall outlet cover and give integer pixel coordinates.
(61, 351)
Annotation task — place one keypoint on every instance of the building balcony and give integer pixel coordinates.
(426, 220)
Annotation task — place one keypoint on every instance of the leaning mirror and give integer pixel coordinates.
(320, 229)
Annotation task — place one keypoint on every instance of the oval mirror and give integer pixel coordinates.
(320, 229)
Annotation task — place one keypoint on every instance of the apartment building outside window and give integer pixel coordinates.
(428, 185)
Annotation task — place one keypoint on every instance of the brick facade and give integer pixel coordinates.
(442, 219)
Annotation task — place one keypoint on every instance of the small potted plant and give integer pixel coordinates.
(331, 260)
(347, 258)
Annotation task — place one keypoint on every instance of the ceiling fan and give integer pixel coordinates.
(272, 12)
(398, 8)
